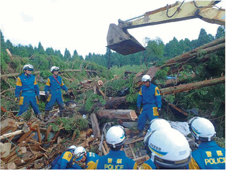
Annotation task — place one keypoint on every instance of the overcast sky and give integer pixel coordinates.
(82, 25)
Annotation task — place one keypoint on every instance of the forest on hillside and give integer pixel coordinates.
(209, 101)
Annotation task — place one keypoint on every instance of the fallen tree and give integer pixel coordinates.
(204, 50)
(191, 86)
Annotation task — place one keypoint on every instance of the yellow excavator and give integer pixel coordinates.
(119, 39)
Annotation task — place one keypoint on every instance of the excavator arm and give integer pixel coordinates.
(119, 39)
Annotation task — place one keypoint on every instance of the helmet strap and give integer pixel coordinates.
(152, 156)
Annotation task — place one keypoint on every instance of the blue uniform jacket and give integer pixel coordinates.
(66, 161)
(208, 156)
(28, 86)
(149, 95)
(91, 159)
(52, 85)
(116, 160)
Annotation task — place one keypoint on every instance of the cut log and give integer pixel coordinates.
(191, 86)
(95, 125)
(18, 132)
(119, 114)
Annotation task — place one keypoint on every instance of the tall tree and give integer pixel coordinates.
(203, 38)
(30, 50)
(171, 48)
(67, 55)
(40, 49)
(3, 46)
(9, 45)
(220, 32)
(50, 51)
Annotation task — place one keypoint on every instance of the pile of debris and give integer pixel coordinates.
(33, 143)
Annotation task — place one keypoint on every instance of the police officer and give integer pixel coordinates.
(167, 149)
(116, 158)
(89, 158)
(27, 84)
(208, 155)
(66, 160)
(150, 97)
(53, 92)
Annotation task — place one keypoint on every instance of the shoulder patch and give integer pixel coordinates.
(67, 155)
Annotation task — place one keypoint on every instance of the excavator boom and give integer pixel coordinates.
(119, 39)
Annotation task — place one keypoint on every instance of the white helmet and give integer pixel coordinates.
(169, 148)
(115, 136)
(72, 147)
(156, 124)
(79, 153)
(202, 129)
(54, 68)
(28, 67)
(146, 78)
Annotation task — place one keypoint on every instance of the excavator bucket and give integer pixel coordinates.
(121, 41)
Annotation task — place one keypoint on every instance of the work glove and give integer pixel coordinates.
(138, 109)
(16, 99)
(46, 94)
(159, 110)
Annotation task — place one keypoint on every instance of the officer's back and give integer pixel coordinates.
(116, 158)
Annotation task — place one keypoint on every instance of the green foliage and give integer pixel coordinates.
(81, 123)
(161, 75)
(119, 71)
(71, 124)
(114, 86)
(91, 100)
(220, 141)
(132, 96)
(45, 74)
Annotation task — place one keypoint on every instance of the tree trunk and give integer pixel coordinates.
(191, 86)
(204, 49)
(95, 125)
(119, 114)
(115, 102)
(193, 53)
